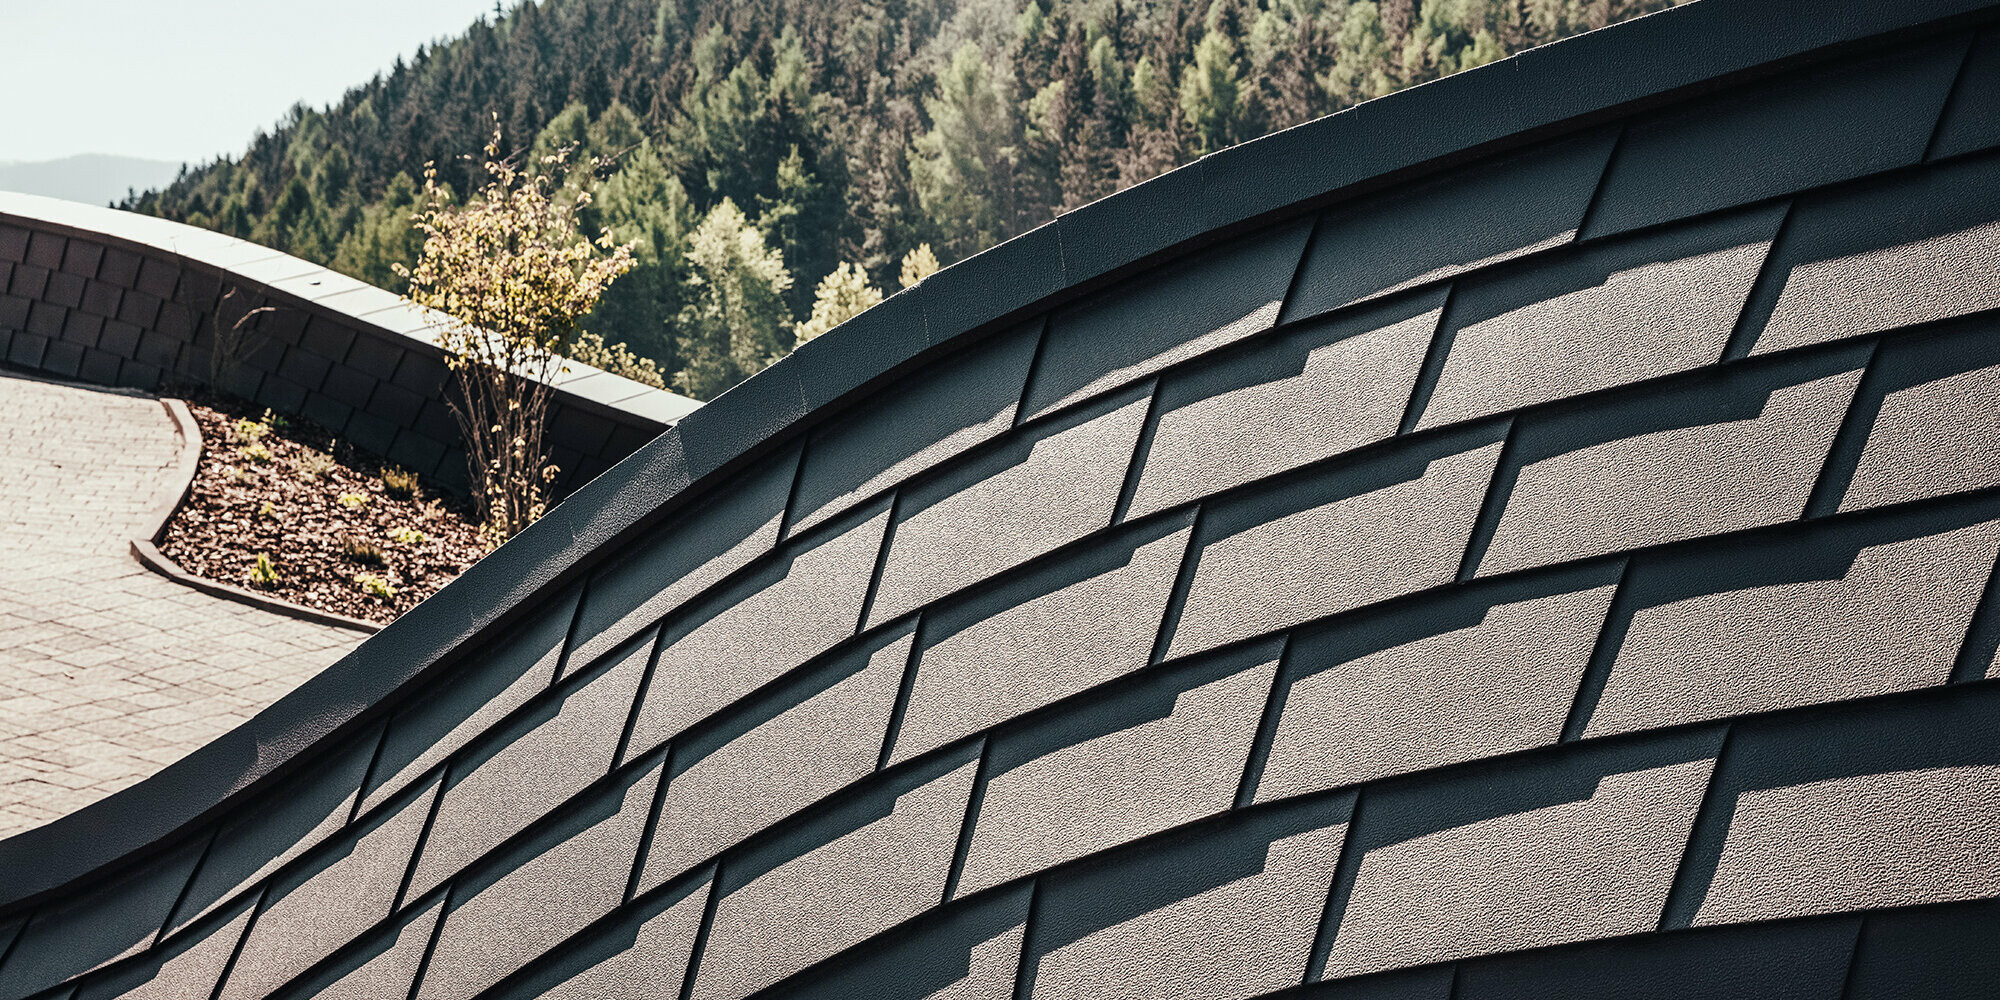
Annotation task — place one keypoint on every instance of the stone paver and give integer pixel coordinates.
(109, 672)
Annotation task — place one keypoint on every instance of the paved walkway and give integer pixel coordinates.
(109, 672)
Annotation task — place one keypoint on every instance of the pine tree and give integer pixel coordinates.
(918, 264)
(841, 296)
(644, 205)
(612, 134)
(1208, 93)
(384, 237)
(567, 130)
(1361, 53)
(963, 168)
(1154, 145)
(734, 323)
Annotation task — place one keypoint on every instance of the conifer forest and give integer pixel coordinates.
(782, 164)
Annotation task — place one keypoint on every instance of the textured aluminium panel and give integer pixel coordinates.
(191, 966)
(1429, 982)
(1606, 314)
(680, 560)
(1466, 220)
(82, 258)
(775, 921)
(1070, 624)
(896, 327)
(1859, 842)
(1099, 237)
(338, 892)
(526, 902)
(503, 677)
(1934, 413)
(1577, 848)
(644, 958)
(1856, 117)
(800, 745)
(1942, 953)
(527, 766)
(1971, 121)
(964, 953)
(1311, 392)
(248, 847)
(1051, 486)
(1228, 911)
(1440, 681)
(45, 250)
(766, 624)
(919, 423)
(91, 930)
(1150, 757)
(29, 282)
(387, 967)
(1252, 574)
(1058, 805)
(1853, 808)
(1829, 613)
(1904, 250)
(1728, 451)
(1166, 316)
(1797, 961)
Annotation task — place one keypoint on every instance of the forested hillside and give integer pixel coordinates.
(753, 147)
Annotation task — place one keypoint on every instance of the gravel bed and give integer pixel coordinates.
(320, 512)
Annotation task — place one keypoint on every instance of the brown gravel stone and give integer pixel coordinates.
(222, 525)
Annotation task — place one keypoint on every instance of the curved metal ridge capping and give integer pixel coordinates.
(118, 298)
(1533, 527)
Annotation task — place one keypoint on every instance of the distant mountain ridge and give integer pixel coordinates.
(92, 178)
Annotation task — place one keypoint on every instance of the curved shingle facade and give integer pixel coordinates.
(1532, 535)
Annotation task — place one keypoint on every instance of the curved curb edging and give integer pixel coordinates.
(186, 461)
(150, 556)
(147, 551)
(1554, 89)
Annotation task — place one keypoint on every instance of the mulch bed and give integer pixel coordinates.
(279, 492)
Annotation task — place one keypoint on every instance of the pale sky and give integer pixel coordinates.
(191, 79)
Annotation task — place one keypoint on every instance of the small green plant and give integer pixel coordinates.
(352, 501)
(268, 510)
(256, 452)
(274, 421)
(408, 536)
(361, 550)
(251, 430)
(264, 573)
(374, 586)
(238, 475)
(313, 465)
(398, 482)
